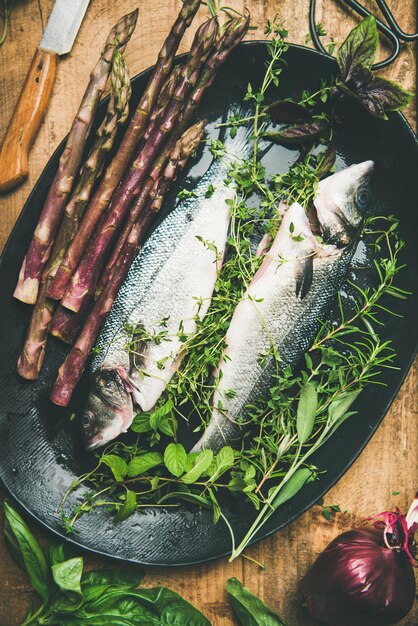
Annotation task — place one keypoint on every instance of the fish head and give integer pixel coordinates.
(341, 202)
(109, 409)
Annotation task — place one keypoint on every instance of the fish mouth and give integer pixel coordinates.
(94, 443)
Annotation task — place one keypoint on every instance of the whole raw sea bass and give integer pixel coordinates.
(292, 290)
(169, 284)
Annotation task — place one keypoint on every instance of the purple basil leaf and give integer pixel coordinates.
(359, 48)
(377, 95)
(288, 111)
(298, 133)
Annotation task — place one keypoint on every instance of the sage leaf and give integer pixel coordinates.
(141, 464)
(306, 412)
(128, 507)
(339, 407)
(288, 111)
(118, 465)
(248, 608)
(298, 133)
(377, 95)
(359, 48)
(32, 556)
(175, 459)
(67, 576)
(291, 487)
(201, 464)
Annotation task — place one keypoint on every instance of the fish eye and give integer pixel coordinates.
(362, 198)
(87, 420)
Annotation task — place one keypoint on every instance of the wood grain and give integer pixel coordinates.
(26, 119)
(389, 463)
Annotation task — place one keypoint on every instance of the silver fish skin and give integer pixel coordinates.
(168, 285)
(291, 291)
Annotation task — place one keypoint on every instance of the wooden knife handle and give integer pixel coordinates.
(26, 119)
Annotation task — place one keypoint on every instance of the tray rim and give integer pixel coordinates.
(329, 484)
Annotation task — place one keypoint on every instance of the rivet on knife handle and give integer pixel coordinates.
(26, 119)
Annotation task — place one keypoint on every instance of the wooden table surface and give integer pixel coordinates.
(388, 464)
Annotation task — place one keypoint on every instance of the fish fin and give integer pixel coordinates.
(304, 277)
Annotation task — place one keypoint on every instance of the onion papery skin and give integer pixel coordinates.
(358, 581)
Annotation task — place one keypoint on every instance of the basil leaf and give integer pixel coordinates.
(118, 466)
(291, 487)
(67, 576)
(359, 48)
(56, 553)
(288, 111)
(128, 507)
(64, 603)
(298, 133)
(201, 464)
(170, 608)
(175, 459)
(249, 609)
(31, 553)
(377, 95)
(141, 464)
(306, 412)
(127, 577)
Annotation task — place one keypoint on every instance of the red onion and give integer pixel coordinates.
(365, 577)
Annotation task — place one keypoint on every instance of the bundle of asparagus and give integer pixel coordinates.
(98, 238)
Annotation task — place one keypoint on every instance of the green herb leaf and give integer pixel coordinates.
(32, 556)
(128, 507)
(291, 487)
(224, 460)
(175, 459)
(306, 412)
(249, 609)
(359, 48)
(201, 464)
(141, 464)
(118, 465)
(141, 423)
(338, 408)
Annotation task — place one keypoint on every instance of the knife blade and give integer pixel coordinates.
(63, 24)
(57, 39)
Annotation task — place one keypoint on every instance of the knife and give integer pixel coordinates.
(58, 39)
